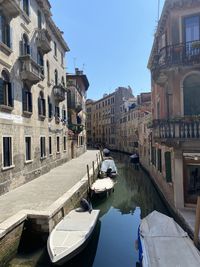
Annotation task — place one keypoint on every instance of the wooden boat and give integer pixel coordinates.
(71, 235)
(163, 243)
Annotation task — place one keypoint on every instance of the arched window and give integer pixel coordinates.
(39, 15)
(6, 94)
(48, 72)
(50, 110)
(4, 30)
(41, 61)
(56, 77)
(27, 99)
(26, 6)
(64, 116)
(191, 94)
(63, 81)
(25, 47)
(41, 105)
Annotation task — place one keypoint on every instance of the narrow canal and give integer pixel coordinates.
(113, 242)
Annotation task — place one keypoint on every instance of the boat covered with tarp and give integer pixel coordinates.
(163, 243)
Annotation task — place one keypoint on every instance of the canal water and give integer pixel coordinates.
(113, 241)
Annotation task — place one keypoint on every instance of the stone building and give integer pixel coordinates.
(103, 117)
(77, 85)
(33, 103)
(175, 70)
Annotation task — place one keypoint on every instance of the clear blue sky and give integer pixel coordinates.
(112, 38)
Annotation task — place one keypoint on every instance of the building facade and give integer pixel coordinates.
(175, 70)
(77, 85)
(103, 117)
(33, 102)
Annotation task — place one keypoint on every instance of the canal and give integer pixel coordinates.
(113, 242)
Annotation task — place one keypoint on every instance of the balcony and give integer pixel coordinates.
(59, 92)
(73, 104)
(11, 8)
(76, 128)
(183, 54)
(44, 41)
(178, 129)
(31, 72)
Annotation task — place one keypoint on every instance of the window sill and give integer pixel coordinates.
(65, 151)
(50, 155)
(27, 113)
(6, 108)
(28, 161)
(42, 117)
(6, 49)
(7, 168)
(42, 158)
(57, 153)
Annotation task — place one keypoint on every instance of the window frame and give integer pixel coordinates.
(43, 153)
(26, 159)
(10, 157)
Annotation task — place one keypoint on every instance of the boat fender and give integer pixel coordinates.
(86, 205)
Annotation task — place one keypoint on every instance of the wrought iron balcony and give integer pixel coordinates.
(10, 7)
(178, 129)
(182, 54)
(73, 104)
(44, 41)
(59, 92)
(76, 128)
(31, 71)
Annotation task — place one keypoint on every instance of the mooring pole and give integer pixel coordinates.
(88, 174)
(93, 171)
(97, 162)
(197, 222)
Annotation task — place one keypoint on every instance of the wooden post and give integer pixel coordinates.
(93, 171)
(97, 162)
(101, 153)
(197, 222)
(88, 174)
(99, 158)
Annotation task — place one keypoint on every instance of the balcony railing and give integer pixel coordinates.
(30, 70)
(180, 129)
(175, 55)
(76, 128)
(59, 92)
(73, 104)
(11, 7)
(44, 41)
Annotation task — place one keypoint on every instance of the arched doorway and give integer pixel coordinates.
(191, 95)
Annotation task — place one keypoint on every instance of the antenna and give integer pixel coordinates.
(158, 9)
(83, 67)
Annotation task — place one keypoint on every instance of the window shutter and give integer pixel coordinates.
(30, 102)
(10, 95)
(168, 167)
(39, 105)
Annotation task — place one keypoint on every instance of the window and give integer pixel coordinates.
(42, 147)
(25, 47)
(55, 49)
(56, 77)
(64, 143)
(7, 151)
(48, 72)
(39, 19)
(62, 58)
(28, 148)
(168, 168)
(50, 145)
(27, 100)
(57, 112)
(50, 110)
(41, 61)
(192, 28)
(64, 117)
(6, 94)
(159, 157)
(41, 105)
(5, 31)
(26, 7)
(58, 144)
(63, 82)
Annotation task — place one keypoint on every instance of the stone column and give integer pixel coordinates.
(178, 179)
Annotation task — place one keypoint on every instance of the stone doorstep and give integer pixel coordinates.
(13, 221)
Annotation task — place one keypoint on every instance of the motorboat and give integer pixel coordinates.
(71, 235)
(163, 243)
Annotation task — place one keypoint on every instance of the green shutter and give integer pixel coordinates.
(168, 167)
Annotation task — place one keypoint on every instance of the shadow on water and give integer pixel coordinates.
(112, 243)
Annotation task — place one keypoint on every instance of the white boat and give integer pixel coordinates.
(163, 243)
(102, 185)
(71, 235)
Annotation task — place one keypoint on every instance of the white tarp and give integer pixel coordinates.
(165, 243)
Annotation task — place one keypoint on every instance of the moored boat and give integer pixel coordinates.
(163, 243)
(71, 235)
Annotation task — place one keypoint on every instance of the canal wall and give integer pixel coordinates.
(41, 222)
